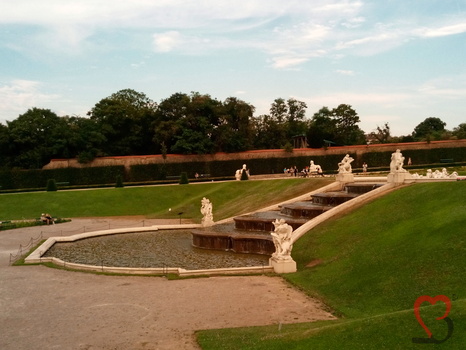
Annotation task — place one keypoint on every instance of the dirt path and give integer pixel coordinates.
(44, 308)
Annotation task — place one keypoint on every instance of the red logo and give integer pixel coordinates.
(433, 301)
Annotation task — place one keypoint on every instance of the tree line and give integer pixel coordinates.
(130, 123)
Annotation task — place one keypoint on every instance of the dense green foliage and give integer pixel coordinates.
(430, 129)
(130, 123)
(374, 263)
(335, 127)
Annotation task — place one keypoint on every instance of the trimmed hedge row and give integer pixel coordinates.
(329, 163)
(26, 179)
(14, 179)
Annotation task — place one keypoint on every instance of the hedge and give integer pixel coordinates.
(27, 179)
(24, 179)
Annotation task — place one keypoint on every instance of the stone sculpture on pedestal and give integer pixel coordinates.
(281, 260)
(345, 171)
(206, 211)
(344, 167)
(397, 173)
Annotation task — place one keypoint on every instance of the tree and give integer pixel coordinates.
(86, 138)
(460, 131)
(235, 130)
(37, 136)
(321, 127)
(125, 119)
(276, 123)
(346, 120)
(430, 129)
(382, 134)
(5, 146)
(286, 119)
(279, 110)
(186, 123)
(267, 133)
(167, 122)
(295, 118)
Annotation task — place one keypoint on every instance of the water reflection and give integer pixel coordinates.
(170, 248)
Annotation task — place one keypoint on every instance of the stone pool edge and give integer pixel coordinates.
(36, 256)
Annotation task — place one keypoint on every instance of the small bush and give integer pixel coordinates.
(51, 185)
(184, 178)
(288, 147)
(119, 181)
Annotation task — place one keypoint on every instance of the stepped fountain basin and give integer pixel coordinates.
(263, 221)
(332, 198)
(361, 188)
(235, 242)
(307, 209)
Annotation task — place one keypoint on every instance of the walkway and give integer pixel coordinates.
(45, 308)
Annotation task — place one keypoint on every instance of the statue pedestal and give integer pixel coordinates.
(399, 177)
(345, 177)
(283, 266)
(207, 222)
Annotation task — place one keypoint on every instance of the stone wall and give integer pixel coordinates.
(359, 150)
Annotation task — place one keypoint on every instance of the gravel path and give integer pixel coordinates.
(44, 308)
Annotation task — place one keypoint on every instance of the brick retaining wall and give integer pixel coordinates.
(359, 150)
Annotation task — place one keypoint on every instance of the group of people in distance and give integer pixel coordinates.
(47, 219)
(312, 169)
(315, 169)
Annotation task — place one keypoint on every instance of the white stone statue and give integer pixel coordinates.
(437, 174)
(344, 167)
(396, 163)
(282, 240)
(239, 172)
(206, 211)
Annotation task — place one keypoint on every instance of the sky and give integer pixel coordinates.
(394, 61)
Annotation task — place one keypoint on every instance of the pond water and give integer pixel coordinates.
(169, 248)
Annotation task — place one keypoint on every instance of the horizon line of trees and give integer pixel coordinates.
(130, 123)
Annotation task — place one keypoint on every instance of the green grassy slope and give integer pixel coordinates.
(228, 198)
(375, 262)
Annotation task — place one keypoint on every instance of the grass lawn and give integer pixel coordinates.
(375, 262)
(228, 198)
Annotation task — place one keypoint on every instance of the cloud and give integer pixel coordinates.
(287, 62)
(452, 88)
(453, 29)
(290, 33)
(345, 72)
(166, 42)
(20, 95)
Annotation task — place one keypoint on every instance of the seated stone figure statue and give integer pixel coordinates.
(396, 163)
(344, 167)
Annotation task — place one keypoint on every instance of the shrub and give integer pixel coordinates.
(51, 185)
(184, 178)
(119, 181)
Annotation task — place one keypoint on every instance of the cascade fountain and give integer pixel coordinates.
(251, 233)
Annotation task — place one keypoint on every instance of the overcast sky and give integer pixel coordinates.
(395, 61)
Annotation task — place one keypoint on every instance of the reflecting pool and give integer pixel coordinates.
(163, 248)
